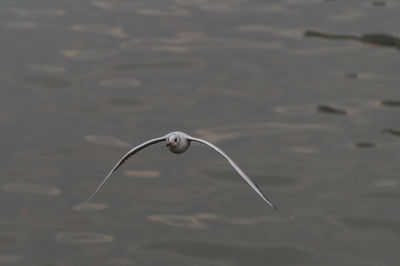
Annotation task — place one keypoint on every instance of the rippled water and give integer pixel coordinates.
(303, 94)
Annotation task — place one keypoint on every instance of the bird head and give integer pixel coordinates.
(173, 140)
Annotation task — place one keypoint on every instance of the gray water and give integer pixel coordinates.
(302, 94)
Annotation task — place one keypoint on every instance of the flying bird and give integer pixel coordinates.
(178, 142)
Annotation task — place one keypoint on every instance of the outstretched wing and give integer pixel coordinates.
(124, 159)
(234, 165)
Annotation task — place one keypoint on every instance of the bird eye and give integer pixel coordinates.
(176, 139)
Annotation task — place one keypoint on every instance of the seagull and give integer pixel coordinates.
(178, 142)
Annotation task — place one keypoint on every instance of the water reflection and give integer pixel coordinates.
(380, 39)
(348, 15)
(214, 6)
(36, 12)
(120, 83)
(89, 207)
(107, 141)
(6, 240)
(388, 195)
(192, 41)
(369, 224)
(87, 54)
(359, 75)
(123, 262)
(204, 220)
(229, 177)
(250, 129)
(391, 131)
(83, 238)
(365, 144)
(357, 109)
(388, 183)
(379, 3)
(163, 12)
(186, 221)
(286, 33)
(142, 173)
(351, 75)
(165, 65)
(304, 150)
(238, 254)
(142, 9)
(125, 101)
(21, 24)
(390, 103)
(331, 110)
(100, 29)
(5, 259)
(48, 82)
(32, 189)
(47, 68)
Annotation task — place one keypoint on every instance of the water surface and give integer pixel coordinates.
(303, 94)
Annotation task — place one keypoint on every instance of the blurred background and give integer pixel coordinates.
(302, 94)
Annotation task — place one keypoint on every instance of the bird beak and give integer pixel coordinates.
(169, 144)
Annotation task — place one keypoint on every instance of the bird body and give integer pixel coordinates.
(178, 142)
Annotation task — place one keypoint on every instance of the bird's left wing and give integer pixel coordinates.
(124, 159)
(234, 165)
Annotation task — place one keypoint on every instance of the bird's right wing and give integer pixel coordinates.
(236, 167)
(124, 159)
